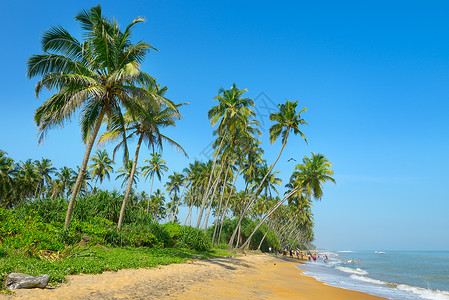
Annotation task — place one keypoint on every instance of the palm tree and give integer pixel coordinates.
(233, 112)
(309, 178)
(101, 167)
(44, 168)
(125, 172)
(146, 126)
(173, 187)
(8, 172)
(66, 177)
(156, 205)
(96, 76)
(156, 166)
(287, 119)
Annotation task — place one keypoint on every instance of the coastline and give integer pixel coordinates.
(258, 276)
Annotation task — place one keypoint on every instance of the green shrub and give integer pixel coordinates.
(193, 238)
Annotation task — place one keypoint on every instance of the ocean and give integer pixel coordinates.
(389, 274)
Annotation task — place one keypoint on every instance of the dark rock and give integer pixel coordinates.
(24, 281)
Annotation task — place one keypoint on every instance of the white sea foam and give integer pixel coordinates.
(380, 252)
(357, 271)
(367, 279)
(346, 251)
(421, 292)
(424, 293)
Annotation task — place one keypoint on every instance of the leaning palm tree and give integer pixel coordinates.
(156, 166)
(147, 128)
(308, 180)
(96, 77)
(101, 166)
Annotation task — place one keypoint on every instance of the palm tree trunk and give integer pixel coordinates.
(217, 220)
(206, 192)
(273, 209)
(149, 197)
(234, 234)
(212, 198)
(226, 205)
(266, 233)
(83, 169)
(95, 184)
(253, 197)
(179, 200)
(130, 183)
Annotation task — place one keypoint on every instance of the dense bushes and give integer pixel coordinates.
(38, 226)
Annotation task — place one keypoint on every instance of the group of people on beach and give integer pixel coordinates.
(299, 254)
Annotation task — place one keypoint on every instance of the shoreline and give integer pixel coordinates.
(258, 276)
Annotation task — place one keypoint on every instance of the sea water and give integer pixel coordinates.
(389, 274)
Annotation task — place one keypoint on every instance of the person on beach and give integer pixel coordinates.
(269, 249)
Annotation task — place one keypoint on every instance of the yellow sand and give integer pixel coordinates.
(250, 277)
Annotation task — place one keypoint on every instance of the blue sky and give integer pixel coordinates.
(373, 75)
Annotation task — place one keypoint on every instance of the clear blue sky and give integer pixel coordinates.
(373, 75)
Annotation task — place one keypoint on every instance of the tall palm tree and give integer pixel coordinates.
(101, 166)
(147, 128)
(287, 120)
(232, 113)
(96, 76)
(156, 166)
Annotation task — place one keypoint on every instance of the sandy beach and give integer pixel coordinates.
(259, 276)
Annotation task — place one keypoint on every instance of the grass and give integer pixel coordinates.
(95, 260)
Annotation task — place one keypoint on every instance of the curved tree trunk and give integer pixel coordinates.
(206, 192)
(253, 197)
(261, 241)
(276, 206)
(95, 184)
(226, 205)
(179, 200)
(130, 184)
(149, 197)
(79, 179)
(212, 198)
(221, 202)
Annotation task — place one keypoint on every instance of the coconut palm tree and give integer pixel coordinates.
(287, 120)
(232, 113)
(173, 186)
(101, 167)
(96, 77)
(125, 173)
(8, 173)
(44, 168)
(147, 128)
(156, 166)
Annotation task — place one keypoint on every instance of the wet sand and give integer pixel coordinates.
(260, 276)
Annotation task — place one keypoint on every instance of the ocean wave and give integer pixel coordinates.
(421, 292)
(371, 280)
(380, 252)
(346, 251)
(357, 271)
(424, 293)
